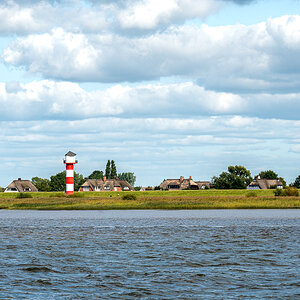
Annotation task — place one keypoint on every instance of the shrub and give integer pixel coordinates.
(288, 192)
(23, 195)
(278, 192)
(157, 188)
(291, 191)
(129, 197)
(251, 194)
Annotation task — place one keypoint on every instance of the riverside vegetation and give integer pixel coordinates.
(185, 199)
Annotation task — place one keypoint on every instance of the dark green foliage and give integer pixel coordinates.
(107, 169)
(113, 170)
(58, 181)
(23, 195)
(157, 188)
(129, 197)
(237, 177)
(1, 189)
(281, 179)
(297, 182)
(96, 175)
(128, 176)
(269, 174)
(288, 192)
(42, 184)
(137, 188)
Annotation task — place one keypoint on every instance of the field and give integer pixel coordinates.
(203, 199)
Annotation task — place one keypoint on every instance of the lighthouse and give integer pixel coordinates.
(69, 161)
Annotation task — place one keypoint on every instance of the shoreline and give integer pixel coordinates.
(152, 200)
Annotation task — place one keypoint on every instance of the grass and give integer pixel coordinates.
(206, 199)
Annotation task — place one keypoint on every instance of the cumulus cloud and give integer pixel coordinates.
(31, 16)
(229, 58)
(65, 100)
(49, 100)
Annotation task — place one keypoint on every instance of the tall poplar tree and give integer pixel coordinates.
(107, 170)
(113, 170)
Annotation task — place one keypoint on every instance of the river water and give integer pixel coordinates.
(196, 254)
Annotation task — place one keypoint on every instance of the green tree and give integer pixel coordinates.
(107, 170)
(269, 174)
(58, 181)
(113, 170)
(42, 184)
(96, 175)
(281, 179)
(128, 176)
(297, 182)
(237, 177)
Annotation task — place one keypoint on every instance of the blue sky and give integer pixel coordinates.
(165, 88)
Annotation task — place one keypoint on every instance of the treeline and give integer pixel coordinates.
(58, 182)
(238, 177)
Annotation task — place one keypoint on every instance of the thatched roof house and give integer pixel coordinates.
(203, 185)
(99, 185)
(20, 186)
(179, 184)
(263, 184)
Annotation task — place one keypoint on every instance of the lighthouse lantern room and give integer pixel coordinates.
(69, 161)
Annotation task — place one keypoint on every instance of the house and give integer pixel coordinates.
(146, 188)
(203, 185)
(263, 184)
(21, 186)
(180, 184)
(99, 185)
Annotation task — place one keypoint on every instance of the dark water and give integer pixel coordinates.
(231, 254)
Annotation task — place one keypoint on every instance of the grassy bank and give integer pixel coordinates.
(206, 199)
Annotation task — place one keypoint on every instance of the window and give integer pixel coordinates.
(86, 188)
(173, 186)
(107, 187)
(27, 189)
(126, 188)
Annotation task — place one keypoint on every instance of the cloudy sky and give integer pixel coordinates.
(164, 87)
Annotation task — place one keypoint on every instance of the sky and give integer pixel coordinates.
(165, 88)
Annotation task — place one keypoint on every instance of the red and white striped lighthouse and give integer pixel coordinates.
(70, 160)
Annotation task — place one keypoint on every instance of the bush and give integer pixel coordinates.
(278, 192)
(23, 195)
(157, 188)
(251, 194)
(129, 197)
(288, 192)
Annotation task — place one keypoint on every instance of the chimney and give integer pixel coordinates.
(19, 179)
(190, 178)
(104, 178)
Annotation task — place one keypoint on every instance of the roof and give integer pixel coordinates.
(21, 185)
(181, 182)
(70, 153)
(266, 183)
(111, 183)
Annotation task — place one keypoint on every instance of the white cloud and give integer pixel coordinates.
(149, 14)
(64, 100)
(230, 58)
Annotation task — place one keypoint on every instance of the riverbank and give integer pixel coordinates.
(206, 199)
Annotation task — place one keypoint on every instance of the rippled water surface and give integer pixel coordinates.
(224, 254)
